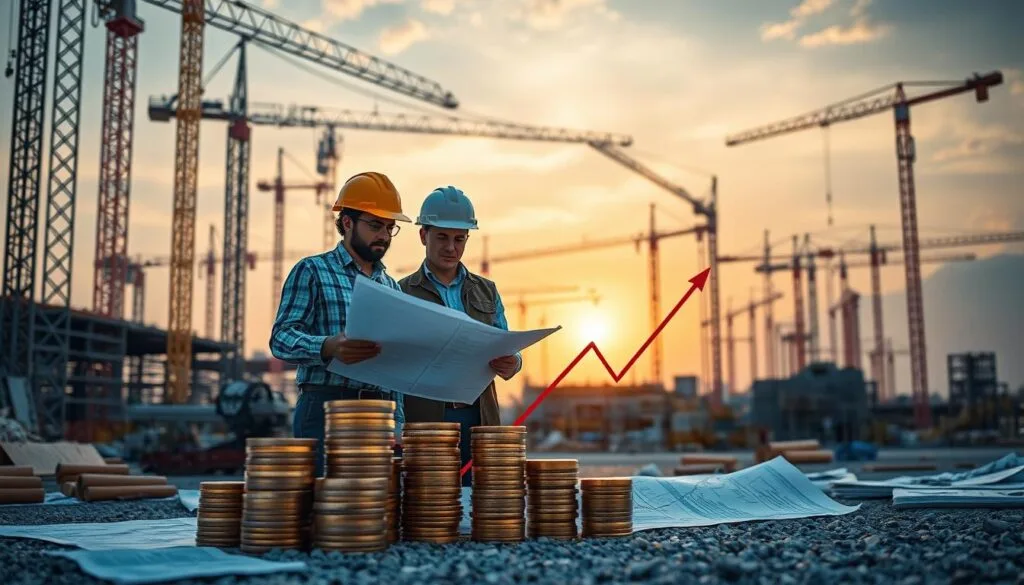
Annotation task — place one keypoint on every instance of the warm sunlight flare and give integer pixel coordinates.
(592, 326)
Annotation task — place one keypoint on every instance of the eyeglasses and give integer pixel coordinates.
(376, 227)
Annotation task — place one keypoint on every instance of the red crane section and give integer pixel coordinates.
(892, 97)
(111, 266)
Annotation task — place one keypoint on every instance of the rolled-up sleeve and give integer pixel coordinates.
(291, 338)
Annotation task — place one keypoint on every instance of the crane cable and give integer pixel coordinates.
(828, 171)
(9, 70)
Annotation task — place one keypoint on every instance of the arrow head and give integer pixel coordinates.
(701, 278)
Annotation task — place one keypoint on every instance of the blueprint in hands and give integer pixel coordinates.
(427, 350)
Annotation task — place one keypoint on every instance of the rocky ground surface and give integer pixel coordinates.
(876, 544)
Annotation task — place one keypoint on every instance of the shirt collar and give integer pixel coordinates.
(348, 261)
(460, 275)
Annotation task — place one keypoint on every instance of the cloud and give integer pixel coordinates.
(862, 30)
(859, 32)
(1015, 79)
(553, 14)
(271, 4)
(979, 141)
(315, 25)
(396, 39)
(799, 14)
(442, 7)
(340, 10)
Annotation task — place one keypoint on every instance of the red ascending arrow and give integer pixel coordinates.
(696, 283)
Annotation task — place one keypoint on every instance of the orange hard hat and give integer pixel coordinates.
(373, 193)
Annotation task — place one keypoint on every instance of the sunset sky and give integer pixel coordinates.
(676, 75)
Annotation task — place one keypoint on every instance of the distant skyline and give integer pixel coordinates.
(676, 75)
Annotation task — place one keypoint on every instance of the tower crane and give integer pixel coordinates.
(117, 131)
(707, 210)
(163, 109)
(847, 306)
(892, 98)
(278, 187)
(264, 28)
(877, 257)
(327, 168)
(751, 310)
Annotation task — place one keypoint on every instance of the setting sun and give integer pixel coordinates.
(592, 326)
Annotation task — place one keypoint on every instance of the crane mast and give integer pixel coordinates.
(183, 228)
(707, 210)
(53, 327)
(893, 97)
(117, 130)
(236, 221)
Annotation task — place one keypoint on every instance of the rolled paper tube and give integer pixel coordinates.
(112, 460)
(900, 467)
(22, 495)
(801, 456)
(129, 492)
(16, 471)
(699, 458)
(69, 488)
(103, 480)
(20, 482)
(72, 469)
(802, 445)
(699, 468)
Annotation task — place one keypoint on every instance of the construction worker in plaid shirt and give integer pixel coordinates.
(315, 298)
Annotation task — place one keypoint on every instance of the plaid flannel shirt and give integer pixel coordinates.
(314, 303)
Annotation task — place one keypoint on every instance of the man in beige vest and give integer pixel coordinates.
(445, 218)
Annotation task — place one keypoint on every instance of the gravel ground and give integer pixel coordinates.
(876, 544)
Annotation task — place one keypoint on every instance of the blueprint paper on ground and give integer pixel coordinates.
(1004, 473)
(773, 490)
(958, 498)
(134, 534)
(139, 567)
(427, 350)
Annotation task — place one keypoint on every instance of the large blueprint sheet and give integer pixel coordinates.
(773, 490)
(427, 350)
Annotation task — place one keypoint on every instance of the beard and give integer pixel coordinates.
(364, 249)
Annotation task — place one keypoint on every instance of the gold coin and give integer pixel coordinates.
(484, 429)
(367, 483)
(534, 509)
(278, 442)
(543, 517)
(282, 496)
(596, 526)
(231, 487)
(550, 465)
(359, 405)
(335, 416)
(425, 436)
(606, 482)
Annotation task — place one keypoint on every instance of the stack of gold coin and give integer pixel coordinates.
(359, 438)
(349, 514)
(499, 483)
(395, 501)
(432, 490)
(220, 514)
(552, 503)
(607, 506)
(279, 476)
